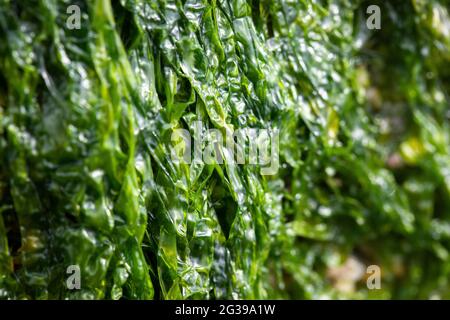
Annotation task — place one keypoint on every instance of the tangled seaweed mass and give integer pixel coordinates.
(87, 177)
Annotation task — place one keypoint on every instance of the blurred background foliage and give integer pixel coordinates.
(86, 176)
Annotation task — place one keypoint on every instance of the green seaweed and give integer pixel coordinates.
(87, 177)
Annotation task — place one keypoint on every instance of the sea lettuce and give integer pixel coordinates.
(87, 176)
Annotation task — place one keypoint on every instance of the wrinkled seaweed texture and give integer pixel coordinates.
(87, 177)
